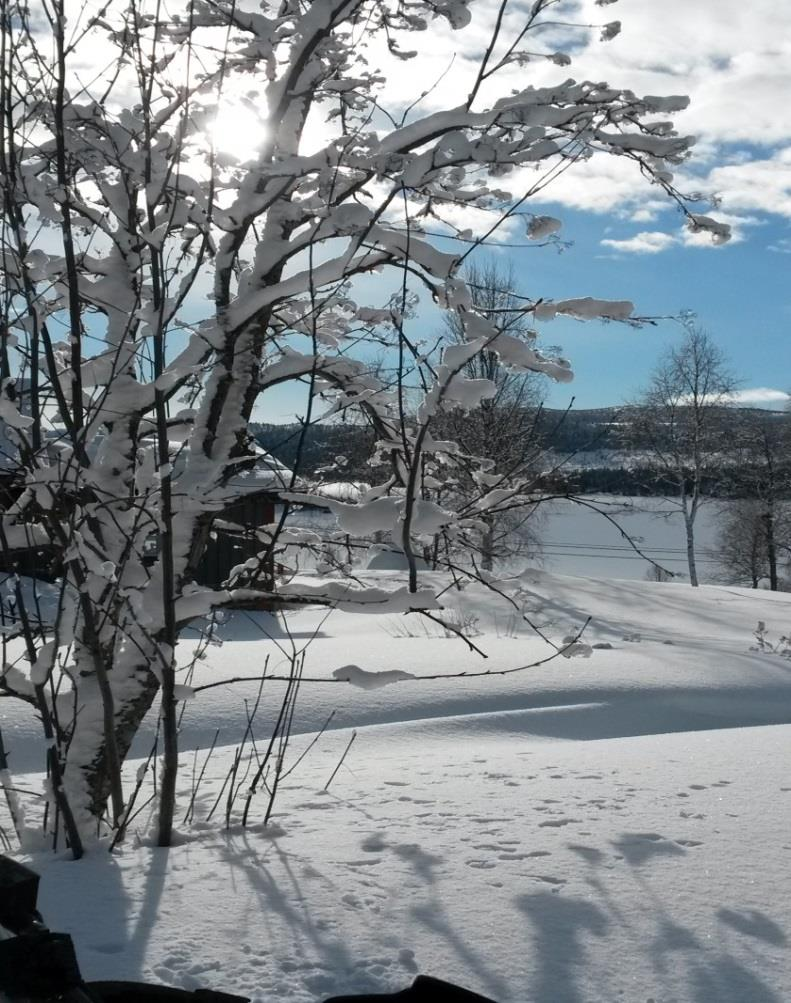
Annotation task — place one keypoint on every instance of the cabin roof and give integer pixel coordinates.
(267, 474)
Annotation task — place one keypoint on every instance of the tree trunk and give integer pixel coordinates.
(87, 776)
(771, 549)
(487, 546)
(693, 570)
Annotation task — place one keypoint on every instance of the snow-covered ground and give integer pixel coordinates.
(592, 829)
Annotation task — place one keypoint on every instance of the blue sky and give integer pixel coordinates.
(739, 292)
(734, 61)
(626, 242)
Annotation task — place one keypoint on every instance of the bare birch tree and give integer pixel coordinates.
(681, 418)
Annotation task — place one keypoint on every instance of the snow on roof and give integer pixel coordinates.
(267, 474)
(346, 491)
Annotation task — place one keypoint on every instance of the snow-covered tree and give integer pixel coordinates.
(156, 287)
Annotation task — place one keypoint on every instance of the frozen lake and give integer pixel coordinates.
(577, 540)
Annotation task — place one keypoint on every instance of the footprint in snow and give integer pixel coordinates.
(406, 958)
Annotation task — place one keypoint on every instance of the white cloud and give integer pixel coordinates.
(647, 242)
(759, 396)
(756, 185)
(603, 184)
(655, 241)
(732, 58)
(644, 215)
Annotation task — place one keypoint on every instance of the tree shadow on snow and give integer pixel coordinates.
(111, 927)
(283, 884)
(638, 847)
(688, 965)
(665, 606)
(251, 625)
(561, 926)
(594, 712)
(753, 923)
(319, 951)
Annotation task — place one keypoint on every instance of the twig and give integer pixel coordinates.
(340, 763)
(419, 679)
(315, 739)
(191, 806)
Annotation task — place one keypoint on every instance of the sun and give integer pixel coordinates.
(239, 130)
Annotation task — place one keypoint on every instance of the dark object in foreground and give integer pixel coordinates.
(37, 966)
(423, 990)
(18, 896)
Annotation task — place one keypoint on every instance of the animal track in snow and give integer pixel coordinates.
(549, 879)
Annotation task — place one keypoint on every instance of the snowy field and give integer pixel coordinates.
(611, 827)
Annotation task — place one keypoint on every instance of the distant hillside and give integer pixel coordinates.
(590, 450)
(345, 448)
